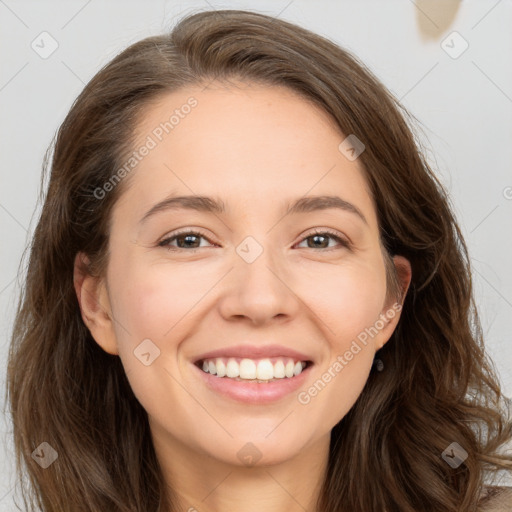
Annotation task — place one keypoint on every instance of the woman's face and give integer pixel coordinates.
(256, 291)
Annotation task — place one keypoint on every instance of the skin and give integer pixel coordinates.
(264, 146)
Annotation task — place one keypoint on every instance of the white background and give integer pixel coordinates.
(464, 106)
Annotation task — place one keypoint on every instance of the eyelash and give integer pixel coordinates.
(165, 243)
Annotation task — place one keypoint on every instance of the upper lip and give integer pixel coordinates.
(255, 352)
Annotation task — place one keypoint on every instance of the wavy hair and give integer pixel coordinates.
(439, 385)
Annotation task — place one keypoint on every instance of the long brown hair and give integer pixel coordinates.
(438, 385)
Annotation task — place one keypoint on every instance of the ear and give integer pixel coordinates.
(404, 276)
(94, 304)
(392, 310)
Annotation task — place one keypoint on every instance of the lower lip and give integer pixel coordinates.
(254, 392)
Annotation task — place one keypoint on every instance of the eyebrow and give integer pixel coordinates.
(212, 205)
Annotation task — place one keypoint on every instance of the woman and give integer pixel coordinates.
(318, 349)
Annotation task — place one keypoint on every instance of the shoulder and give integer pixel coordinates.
(495, 499)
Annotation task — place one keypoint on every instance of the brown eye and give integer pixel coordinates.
(184, 239)
(320, 240)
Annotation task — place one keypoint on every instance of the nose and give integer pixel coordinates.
(259, 291)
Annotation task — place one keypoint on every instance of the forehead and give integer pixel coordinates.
(247, 143)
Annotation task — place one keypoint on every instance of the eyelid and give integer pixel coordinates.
(184, 231)
(343, 240)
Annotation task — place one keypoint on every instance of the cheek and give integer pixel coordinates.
(155, 301)
(346, 298)
(154, 309)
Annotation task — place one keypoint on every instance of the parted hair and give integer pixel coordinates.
(438, 385)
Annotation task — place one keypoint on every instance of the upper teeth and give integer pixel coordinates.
(262, 369)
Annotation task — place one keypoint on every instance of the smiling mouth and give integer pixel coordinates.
(263, 370)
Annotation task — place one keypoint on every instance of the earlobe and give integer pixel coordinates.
(94, 305)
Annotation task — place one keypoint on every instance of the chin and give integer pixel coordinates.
(258, 451)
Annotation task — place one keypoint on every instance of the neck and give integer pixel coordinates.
(201, 483)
